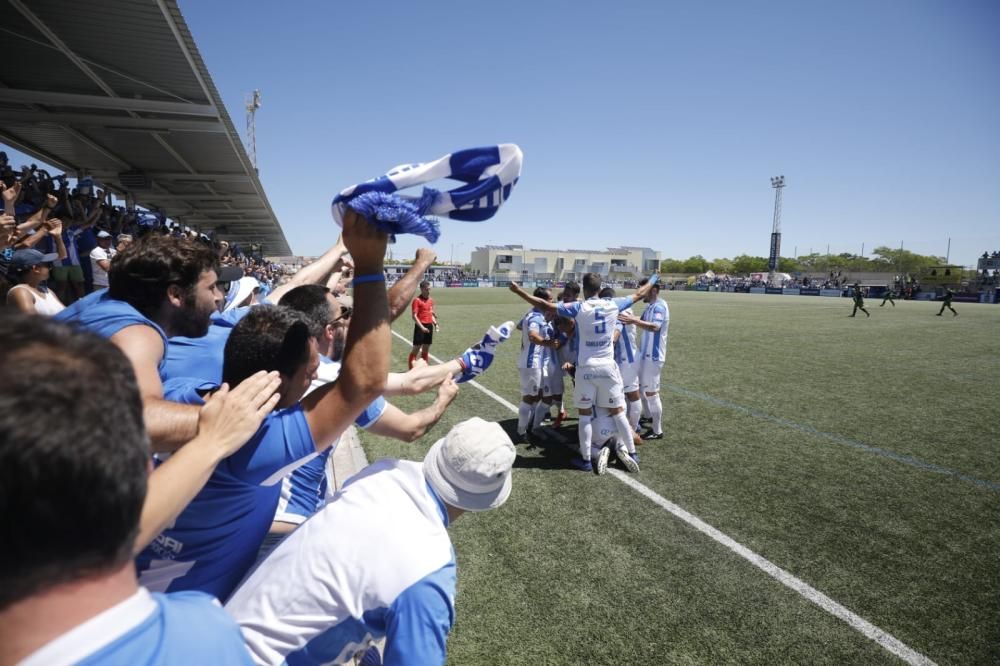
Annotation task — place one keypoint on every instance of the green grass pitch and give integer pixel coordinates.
(860, 455)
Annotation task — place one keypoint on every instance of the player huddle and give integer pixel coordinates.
(614, 370)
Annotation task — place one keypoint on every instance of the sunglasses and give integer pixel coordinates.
(345, 313)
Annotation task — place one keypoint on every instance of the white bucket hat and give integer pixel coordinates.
(239, 291)
(469, 468)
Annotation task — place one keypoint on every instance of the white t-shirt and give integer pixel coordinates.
(100, 275)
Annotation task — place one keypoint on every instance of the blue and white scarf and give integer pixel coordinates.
(489, 174)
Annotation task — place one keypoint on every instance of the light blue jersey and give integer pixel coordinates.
(150, 629)
(202, 357)
(215, 540)
(531, 354)
(626, 350)
(374, 562)
(105, 316)
(595, 326)
(654, 343)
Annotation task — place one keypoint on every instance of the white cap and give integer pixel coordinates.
(103, 234)
(244, 287)
(469, 468)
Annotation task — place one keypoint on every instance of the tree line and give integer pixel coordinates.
(883, 259)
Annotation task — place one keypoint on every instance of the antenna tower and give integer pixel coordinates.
(252, 104)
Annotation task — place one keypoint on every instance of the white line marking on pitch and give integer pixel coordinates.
(866, 628)
(471, 382)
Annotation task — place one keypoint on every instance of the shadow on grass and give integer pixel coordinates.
(551, 448)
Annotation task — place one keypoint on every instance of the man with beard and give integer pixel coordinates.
(158, 288)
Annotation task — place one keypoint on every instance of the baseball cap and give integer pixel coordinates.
(29, 257)
(103, 234)
(469, 468)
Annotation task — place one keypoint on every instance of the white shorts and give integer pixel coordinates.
(552, 380)
(649, 375)
(599, 386)
(630, 376)
(531, 380)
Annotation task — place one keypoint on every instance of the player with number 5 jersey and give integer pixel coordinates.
(598, 382)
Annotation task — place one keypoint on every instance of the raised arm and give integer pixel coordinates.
(401, 293)
(315, 273)
(641, 292)
(539, 303)
(10, 196)
(331, 409)
(55, 230)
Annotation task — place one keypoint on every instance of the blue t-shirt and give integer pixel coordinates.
(304, 489)
(215, 540)
(182, 628)
(105, 316)
(202, 357)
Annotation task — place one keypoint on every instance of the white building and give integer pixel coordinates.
(517, 262)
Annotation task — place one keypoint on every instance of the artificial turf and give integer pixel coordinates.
(859, 455)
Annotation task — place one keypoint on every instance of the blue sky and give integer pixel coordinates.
(642, 123)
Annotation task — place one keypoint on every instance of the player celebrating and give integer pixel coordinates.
(533, 343)
(628, 360)
(598, 382)
(424, 323)
(654, 323)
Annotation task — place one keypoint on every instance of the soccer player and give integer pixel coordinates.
(552, 372)
(654, 322)
(859, 301)
(424, 323)
(628, 359)
(598, 382)
(565, 328)
(948, 295)
(73, 482)
(606, 439)
(377, 561)
(533, 343)
(889, 296)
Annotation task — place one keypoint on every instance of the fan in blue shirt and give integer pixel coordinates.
(213, 542)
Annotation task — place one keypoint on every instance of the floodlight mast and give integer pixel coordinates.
(778, 183)
(252, 104)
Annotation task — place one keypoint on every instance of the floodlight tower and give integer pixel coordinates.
(778, 183)
(252, 104)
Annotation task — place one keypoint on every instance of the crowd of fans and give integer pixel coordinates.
(57, 240)
(232, 382)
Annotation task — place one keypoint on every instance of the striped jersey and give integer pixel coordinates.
(595, 327)
(531, 354)
(304, 490)
(626, 349)
(654, 343)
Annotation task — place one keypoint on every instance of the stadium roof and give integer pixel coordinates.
(122, 94)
